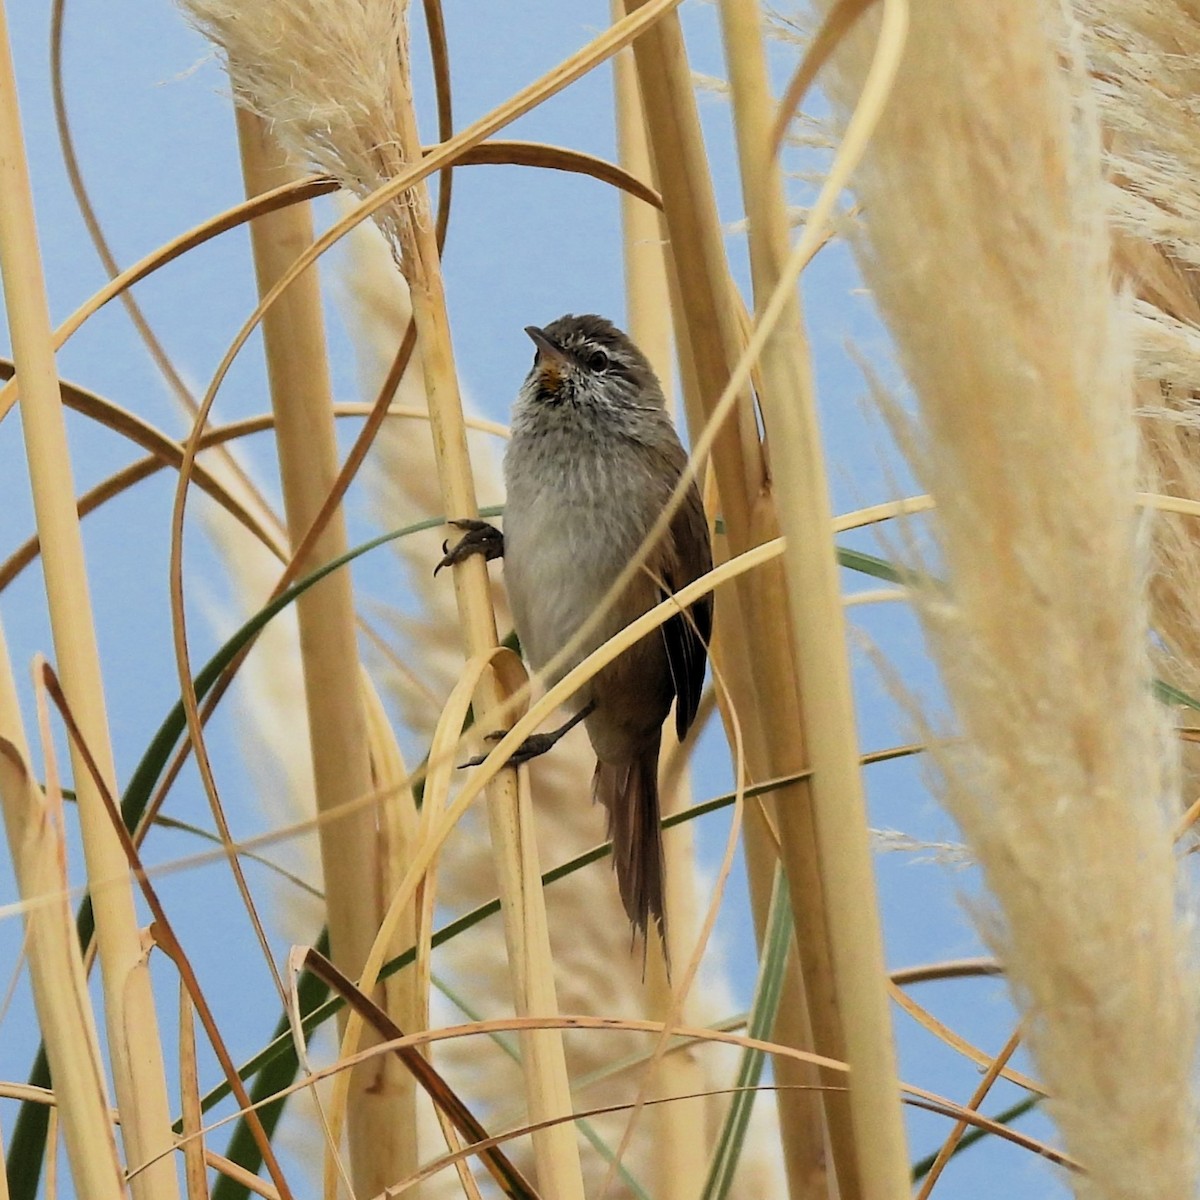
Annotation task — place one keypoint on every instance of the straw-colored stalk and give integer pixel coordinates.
(818, 627)
(799, 1103)
(56, 969)
(681, 1128)
(986, 244)
(510, 815)
(801, 1111)
(332, 77)
(771, 711)
(132, 1023)
(382, 1130)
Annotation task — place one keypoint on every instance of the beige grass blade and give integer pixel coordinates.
(50, 1165)
(1065, 775)
(56, 971)
(696, 237)
(252, 1183)
(4, 1174)
(837, 23)
(958, 1043)
(818, 640)
(681, 1130)
(129, 1004)
(382, 1137)
(195, 1171)
(402, 996)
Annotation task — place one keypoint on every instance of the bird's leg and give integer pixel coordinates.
(479, 538)
(538, 743)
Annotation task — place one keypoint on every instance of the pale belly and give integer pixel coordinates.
(555, 583)
(561, 558)
(556, 576)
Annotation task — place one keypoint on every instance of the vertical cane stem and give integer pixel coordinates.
(132, 1022)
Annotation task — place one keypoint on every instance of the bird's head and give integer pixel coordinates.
(587, 360)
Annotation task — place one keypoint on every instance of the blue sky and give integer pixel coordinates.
(155, 137)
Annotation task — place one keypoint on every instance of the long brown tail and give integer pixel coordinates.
(630, 793)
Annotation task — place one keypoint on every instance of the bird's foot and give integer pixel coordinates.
(536, 744)
(533, 746)
(479, 538)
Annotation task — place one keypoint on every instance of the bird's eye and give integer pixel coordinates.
(598, 360)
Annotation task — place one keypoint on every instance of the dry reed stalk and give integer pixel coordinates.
(191, 1118)
(681, 1128)
(799, 1103)
(381, 1130)
(643, 237)
(773, 704)
(332, 77)
(818, 641)
(510, 815)
(131, 1020)
(56, 971)
(985, 241)
(800, 1107)
(405, 996)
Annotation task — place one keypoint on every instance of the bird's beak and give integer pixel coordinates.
(547, 351)
(552, 360)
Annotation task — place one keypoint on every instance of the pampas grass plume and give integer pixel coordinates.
(986, 243)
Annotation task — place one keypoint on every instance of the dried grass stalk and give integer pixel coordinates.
(382, 1133)
(759, 625)
(681, 1129)
(131, 1020)
(38, 851)
(986, 244)
(818, 640)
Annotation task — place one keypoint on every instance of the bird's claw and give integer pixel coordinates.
(478, 538)
(533, 746)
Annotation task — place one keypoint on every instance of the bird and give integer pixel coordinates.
(591, 463)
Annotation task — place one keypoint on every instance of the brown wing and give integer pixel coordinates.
(686, 635)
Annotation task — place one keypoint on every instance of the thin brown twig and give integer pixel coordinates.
(960, 1126)
(501, 1168)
